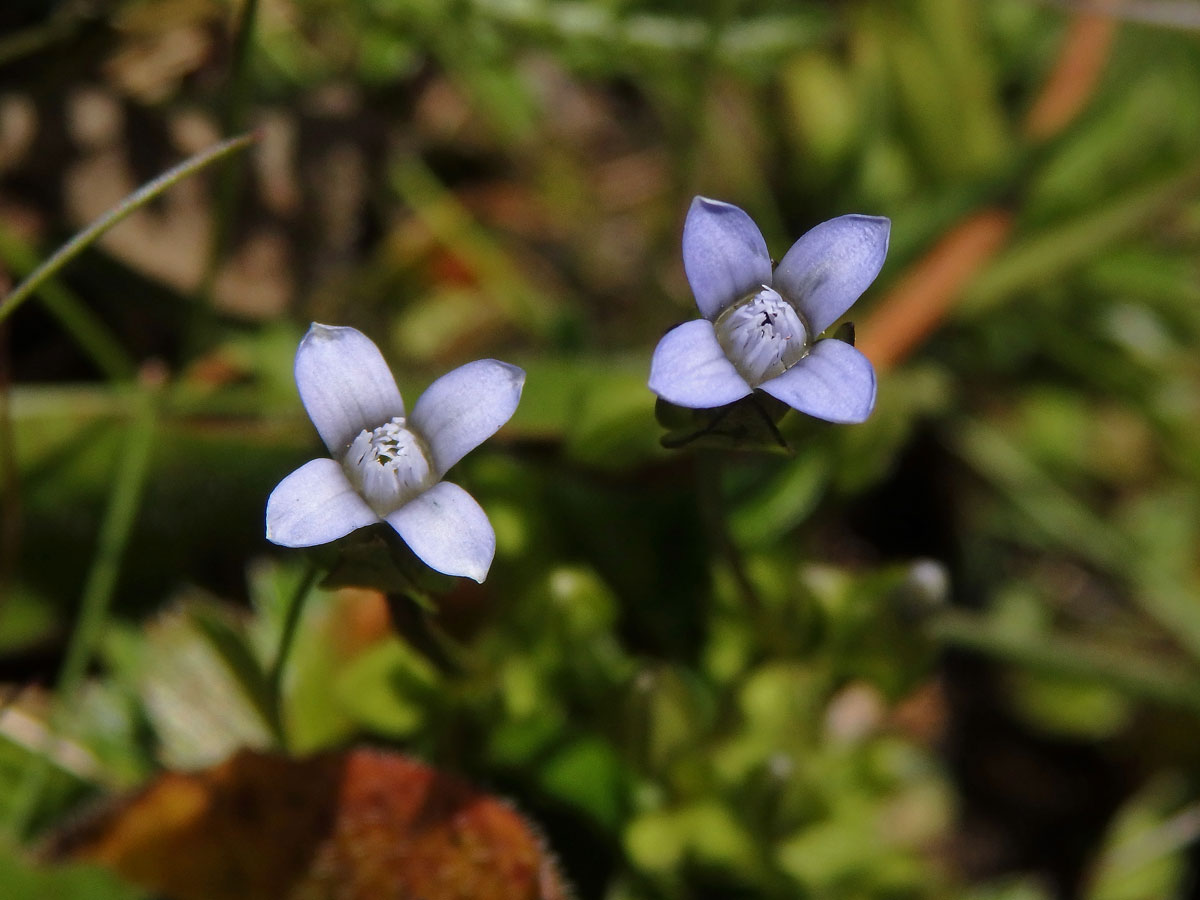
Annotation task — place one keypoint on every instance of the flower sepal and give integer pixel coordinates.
(376, 558)
(844, 333)
(747, 424)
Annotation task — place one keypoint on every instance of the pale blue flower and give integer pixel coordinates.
(387, 467)
(760, 327)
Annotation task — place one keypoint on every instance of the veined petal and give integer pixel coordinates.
(834, 382)
(315, 505)
(448, 530)
(464, 408)
(689, 368)
(724, 255)
(830, 266)
(345, 384)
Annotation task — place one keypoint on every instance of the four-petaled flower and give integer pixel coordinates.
(759, 327)
(386, 467)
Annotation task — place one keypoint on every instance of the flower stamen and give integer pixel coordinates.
(763, 335)
(389, 466)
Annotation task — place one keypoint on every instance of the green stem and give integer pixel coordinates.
(10, 514)
(115, 530)
(129, 205)
(712, 509)
(409, 611)
(124, 501)
(239, 86)
(287, 636)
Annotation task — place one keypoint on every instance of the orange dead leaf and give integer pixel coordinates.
(925, 294)
(351, 826)
(359, 620)
(1073, 79)
(916, 306)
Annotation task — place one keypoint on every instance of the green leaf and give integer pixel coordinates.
(230, 641)
(1144, 856)
(387, 688)
(25, 881)
(588, 774)
(196, 701)
(782, 502)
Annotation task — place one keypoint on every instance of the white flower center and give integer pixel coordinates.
(388, 466)
(763, 335)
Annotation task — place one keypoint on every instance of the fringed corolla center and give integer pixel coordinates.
(389, 466)
(763, 335)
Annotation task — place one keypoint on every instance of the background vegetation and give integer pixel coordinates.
(951, 653)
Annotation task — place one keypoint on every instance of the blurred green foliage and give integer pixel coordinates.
(706, 676)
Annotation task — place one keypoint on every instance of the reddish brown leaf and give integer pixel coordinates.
(351, 826)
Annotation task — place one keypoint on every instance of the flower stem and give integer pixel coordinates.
(10, 514)
(130, 204)
(409, 611)
(123, 504)
(709, 467)
(287, 636)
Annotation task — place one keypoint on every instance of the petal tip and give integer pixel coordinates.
(881, 224)
(516, 373)
(318, 331)
(879, 231)
(702, 202)
(707, 205)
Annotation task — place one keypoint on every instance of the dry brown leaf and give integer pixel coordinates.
(351, 826)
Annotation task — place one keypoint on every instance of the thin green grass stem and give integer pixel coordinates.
(126, 207)
(239, 85)
(10, 511)
(118, 522)
(123, 503)
(412, 615)
(287, 637)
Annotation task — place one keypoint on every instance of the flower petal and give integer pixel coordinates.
(464, 408)
(724, 255)
(315, 505)
(834, 382)
(689, 368)
(830, 266)
(344, 384)
(448, 530)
